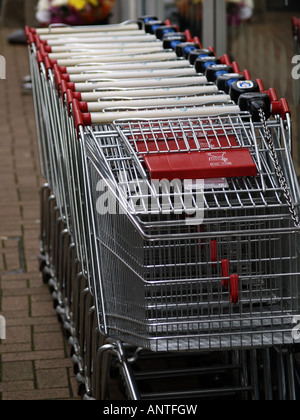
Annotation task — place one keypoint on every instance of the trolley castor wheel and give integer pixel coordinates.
(61, 313)
(81, 391)
(42, 264)
(45, 277)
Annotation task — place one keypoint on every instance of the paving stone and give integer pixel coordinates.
(33, 355)
(16, 371)
(37, 395)
(16, 385)
(52, 378)
(21, 334)
(48, 341)
(16, 303)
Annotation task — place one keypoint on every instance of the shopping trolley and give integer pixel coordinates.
(194, 266)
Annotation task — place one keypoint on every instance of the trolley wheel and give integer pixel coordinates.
(60, 311)
(75, 365)
(67, 329)
(81, 391)
(42, 265)
(45, 276)
(55, 300)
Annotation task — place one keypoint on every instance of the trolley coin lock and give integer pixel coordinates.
(200, 53)
(254, 102)
(225, 81)
(213, 72)
(239, 87)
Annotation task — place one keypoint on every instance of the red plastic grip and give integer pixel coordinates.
(80, 119)
(39, 57)
(43, 49)
(37, 41)
(48, 64)
(188, 35)
(247, 74)
(295, 25)
(69, 100)
(84, 107)
(234, 289)
(212, 50)
(236, 67)
(225, 273)
(63, 88)
(278, 107)
(31, 39)
(260, 85)
(285, 107)
(71, 86)
(225, 60)
(65, 76)
(27, 32)
(196, 40)
(281, 108)
(62, 69)
(273, 95)
(57, 78)
(77, 95)
(214, 251)
(47, 48)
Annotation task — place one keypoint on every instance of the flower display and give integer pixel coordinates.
(73, 12)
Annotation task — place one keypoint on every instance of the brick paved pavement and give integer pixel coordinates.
(34, 358)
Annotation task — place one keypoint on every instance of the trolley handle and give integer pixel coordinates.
(28, 31)
(80, 119)
(69, 94)
(44, 59)
(57, 78)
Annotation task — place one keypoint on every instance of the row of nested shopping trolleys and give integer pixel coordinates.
(169, 216)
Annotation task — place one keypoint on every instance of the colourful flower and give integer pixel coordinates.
(73, 12)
